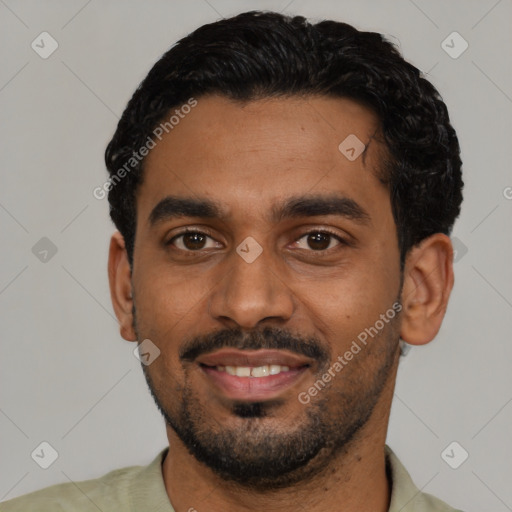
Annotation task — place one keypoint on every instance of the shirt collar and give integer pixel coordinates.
(149, 488)
(405, 496)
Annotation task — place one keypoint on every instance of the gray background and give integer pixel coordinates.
(67, 376)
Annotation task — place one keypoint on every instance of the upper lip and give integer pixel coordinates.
(253, 358)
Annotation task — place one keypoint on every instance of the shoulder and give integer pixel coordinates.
(405, 496)
(84, 496)
(429, 503)
(112, 491)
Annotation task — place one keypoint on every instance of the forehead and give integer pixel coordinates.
(247, 156)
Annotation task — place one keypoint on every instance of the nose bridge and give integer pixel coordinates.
(252, 290)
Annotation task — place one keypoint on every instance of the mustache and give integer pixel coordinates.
(268, 338)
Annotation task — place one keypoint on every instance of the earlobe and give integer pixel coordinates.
(119, 275)
(428, 281)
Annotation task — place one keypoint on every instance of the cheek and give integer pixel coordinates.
(343, 305)
(167, 296)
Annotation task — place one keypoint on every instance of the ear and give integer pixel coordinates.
(428, 281)
(119, 276)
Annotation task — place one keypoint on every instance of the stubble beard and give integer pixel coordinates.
(257, 455)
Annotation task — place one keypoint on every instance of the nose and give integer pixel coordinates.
(251, 293)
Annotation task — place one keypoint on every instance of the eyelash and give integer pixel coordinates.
(323, 231)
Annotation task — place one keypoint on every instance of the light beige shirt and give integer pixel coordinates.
(141, 489)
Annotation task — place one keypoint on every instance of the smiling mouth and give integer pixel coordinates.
(253, 375)
(253, 371)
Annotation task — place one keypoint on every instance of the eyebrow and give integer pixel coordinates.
(172, 207)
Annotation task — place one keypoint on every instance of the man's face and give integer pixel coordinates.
(326, 272)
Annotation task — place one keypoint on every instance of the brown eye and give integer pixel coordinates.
(192, 241)
(319, 240)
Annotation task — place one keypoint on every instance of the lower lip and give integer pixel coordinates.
(253, 388)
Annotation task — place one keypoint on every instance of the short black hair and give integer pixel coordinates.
(262, 54)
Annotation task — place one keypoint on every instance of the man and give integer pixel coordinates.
(284, 194)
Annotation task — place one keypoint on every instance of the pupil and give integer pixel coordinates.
(319, 241)
(193, 240)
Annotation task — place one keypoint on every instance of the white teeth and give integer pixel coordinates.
(260, 371)
(242, 371)
(257, 371)
(274, 369)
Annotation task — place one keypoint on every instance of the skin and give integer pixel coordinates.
(231, 152)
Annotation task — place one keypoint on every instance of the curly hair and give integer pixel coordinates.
(261, 54)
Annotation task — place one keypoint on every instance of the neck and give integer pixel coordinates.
(354, 480)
